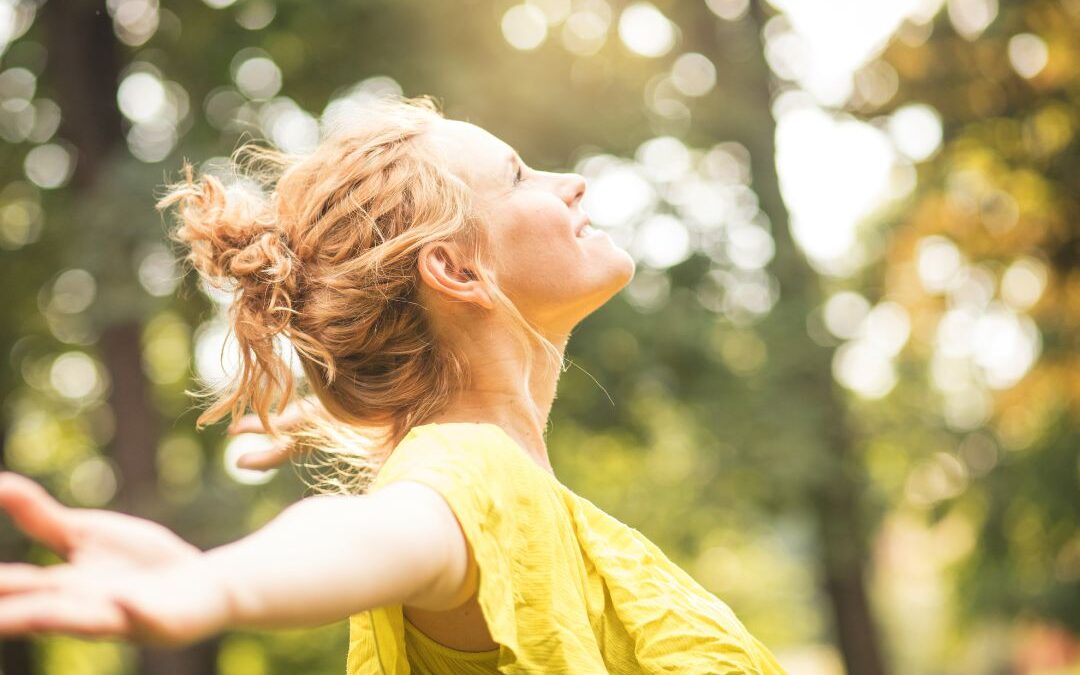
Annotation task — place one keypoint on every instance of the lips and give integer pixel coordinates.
(581, 226)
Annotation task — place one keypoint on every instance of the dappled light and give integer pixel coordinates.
(240, 445)
(645, 30)
(49, 166)
(841, 388)
(524, 26)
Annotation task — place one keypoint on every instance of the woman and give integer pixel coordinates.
(429, 282)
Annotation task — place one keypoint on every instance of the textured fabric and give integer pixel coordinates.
(563, 586)
(428, 657)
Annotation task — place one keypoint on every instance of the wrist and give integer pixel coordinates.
(175, 605)
(225, 591)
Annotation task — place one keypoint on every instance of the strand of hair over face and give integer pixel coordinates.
(319, 252)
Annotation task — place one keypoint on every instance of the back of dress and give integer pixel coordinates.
(563, 586)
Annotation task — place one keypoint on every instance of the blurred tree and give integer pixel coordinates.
(695, 356)
(84, 68)
(834, 488)
(986, 259)
(726, 423)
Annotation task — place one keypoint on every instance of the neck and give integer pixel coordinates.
(499, 393)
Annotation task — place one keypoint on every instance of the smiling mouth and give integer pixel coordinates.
(585, 229)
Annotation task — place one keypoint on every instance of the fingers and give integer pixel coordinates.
(251, 424)
(65, 612)
(248, 424)
(263, 460)
(26, 578)
(36, 513)
(292, 415)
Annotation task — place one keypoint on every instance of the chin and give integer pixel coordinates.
(620, 277)
(626, 269)
(619, 272)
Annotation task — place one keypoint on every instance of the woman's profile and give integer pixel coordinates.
(428, 281)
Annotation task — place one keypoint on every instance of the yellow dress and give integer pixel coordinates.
(563, 586)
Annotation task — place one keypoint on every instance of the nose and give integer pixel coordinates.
(574, 188)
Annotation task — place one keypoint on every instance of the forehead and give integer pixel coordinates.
(472, 153)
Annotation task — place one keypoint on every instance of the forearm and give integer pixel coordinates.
(321, 560)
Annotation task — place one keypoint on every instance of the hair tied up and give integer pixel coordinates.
(232, 232)
(235, 242)
(322, 250)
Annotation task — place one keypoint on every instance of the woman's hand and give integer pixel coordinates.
(124, 577)
(287, 420)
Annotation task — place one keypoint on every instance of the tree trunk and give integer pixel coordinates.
(135, 444)
(835, 499)
(85, 64)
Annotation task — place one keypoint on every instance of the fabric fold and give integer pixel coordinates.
(563, 586)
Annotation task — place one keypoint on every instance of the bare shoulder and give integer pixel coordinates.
(443, 553)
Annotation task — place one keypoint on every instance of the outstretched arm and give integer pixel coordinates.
(327, 557)
(321, 560)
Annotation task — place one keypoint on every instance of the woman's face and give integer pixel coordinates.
(555, 268)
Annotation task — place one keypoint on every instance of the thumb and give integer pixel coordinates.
(36, 513)
(263, 460)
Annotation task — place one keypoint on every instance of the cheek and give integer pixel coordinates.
(539, 227)
(538, 216)
(539, 253)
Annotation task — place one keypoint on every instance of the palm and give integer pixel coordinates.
(119, 541)
(124, 576)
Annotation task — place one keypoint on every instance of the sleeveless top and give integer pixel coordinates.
(428, 656)
(563, 586)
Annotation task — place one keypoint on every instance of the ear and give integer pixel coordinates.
(442, 268)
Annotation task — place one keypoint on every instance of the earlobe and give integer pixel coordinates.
(441, 269)
(482, 297)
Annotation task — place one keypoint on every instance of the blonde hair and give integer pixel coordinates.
(322, 250)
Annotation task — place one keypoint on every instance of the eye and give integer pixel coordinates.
(517, 177)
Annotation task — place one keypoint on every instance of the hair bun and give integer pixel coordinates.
(234, 240)
(231, 232)
(266, 257)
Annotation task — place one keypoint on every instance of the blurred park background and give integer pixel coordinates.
(842, 391)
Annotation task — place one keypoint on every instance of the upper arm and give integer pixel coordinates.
(331, 556)
(437, 571)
